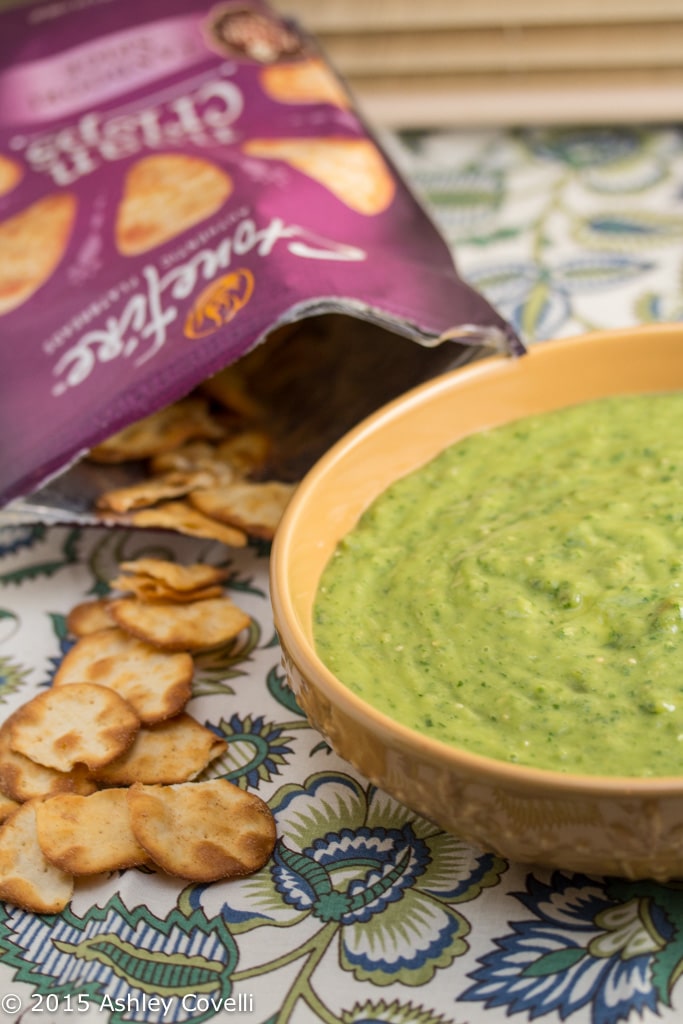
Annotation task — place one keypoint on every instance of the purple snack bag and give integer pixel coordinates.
(176, 181)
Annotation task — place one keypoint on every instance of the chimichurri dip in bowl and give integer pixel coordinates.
(521, 595)
(521, 689)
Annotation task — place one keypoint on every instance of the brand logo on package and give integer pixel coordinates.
(219, 303)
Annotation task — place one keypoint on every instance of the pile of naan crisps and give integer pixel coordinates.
(200, 456)
(97, 773)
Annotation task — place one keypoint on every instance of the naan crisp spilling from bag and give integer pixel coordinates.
(201, 455)
(148, 589)
(89, 617)
(159, 432)
(184, 580)
(27, 878)
(114, 659)
(23, 779)
(7, 807)
(114, 721)
(85, 835)
(78, 724)
(177, 750)
(173, 626)
(182, 517)
(247, 505)
(166, 487)
(170, 823)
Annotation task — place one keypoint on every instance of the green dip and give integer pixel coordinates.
(521, 595)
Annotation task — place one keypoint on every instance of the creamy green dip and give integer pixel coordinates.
(521, 596)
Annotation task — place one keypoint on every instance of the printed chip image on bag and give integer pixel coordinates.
(185, 189)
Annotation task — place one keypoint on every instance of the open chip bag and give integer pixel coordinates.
(182, 185)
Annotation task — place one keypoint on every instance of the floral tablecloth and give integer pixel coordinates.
(367, 913)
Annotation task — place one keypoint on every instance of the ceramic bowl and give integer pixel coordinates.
(602, 825)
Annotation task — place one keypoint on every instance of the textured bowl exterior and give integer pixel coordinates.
(617, 826)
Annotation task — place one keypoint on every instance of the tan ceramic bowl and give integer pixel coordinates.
(630, 827)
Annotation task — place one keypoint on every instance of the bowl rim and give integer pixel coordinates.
(295, 642)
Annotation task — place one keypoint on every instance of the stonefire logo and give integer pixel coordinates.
(219, 303)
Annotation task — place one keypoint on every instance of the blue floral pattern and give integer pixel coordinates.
(366, 877)
(584, 945)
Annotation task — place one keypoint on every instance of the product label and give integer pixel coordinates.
(99, 71)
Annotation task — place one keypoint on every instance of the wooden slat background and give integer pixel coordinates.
(440, 63)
